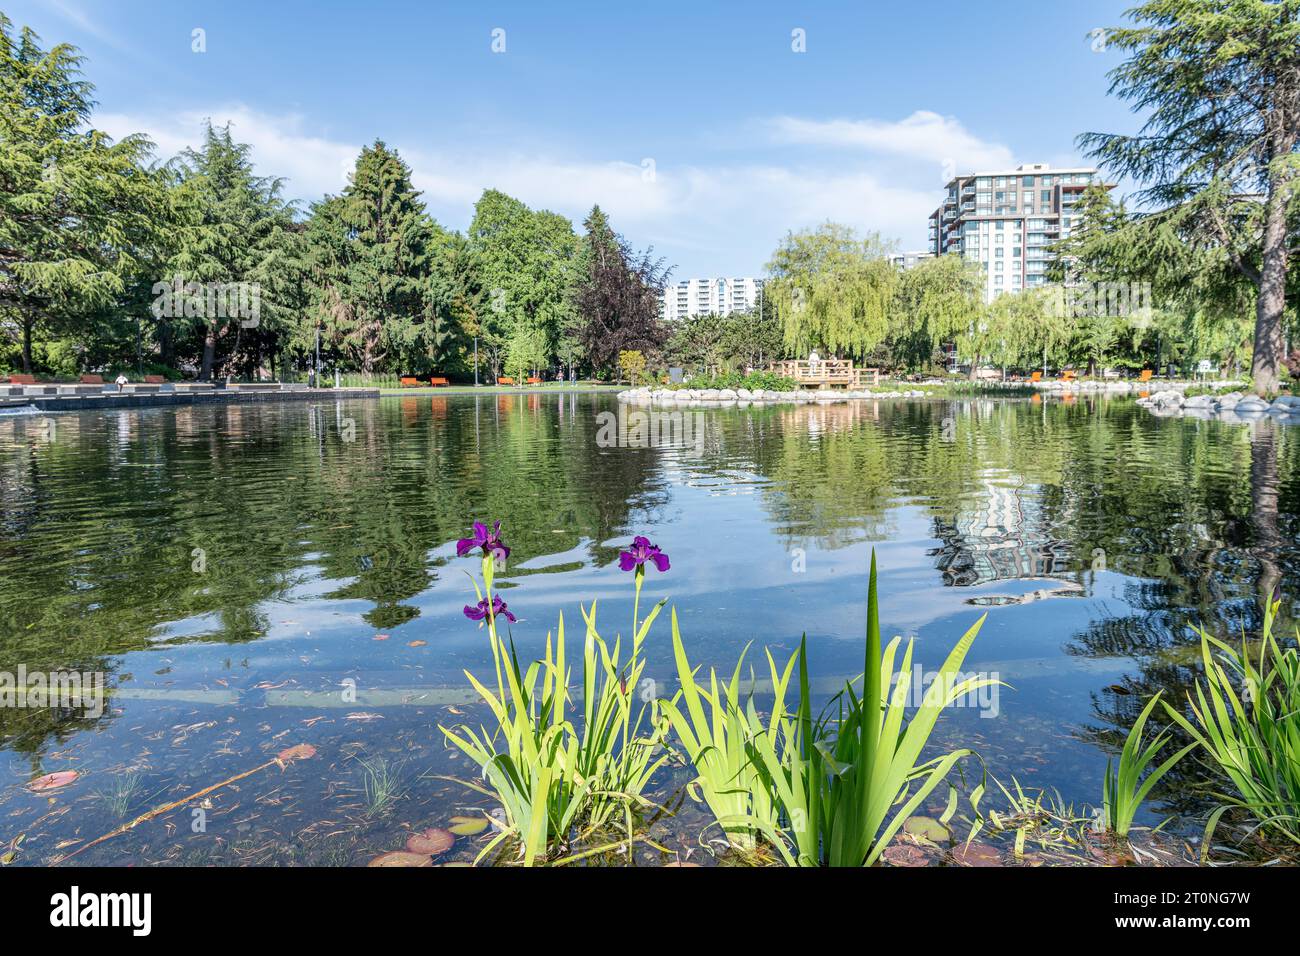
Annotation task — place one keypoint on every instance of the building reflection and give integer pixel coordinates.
(1001, 533)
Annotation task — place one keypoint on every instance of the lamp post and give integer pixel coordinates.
(476, 361)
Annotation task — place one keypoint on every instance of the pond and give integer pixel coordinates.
(248, 578)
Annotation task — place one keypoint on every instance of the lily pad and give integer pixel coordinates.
(467, 826)
(926, 828)
(430, 842)
(53, 781)
(401, 858)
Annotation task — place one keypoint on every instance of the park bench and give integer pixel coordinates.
(22, 379)
(436, 381)
(410, 382)
(1036, 377)
(505, 380)
(534, 380)
(92, 380)
(1068, 375)
(1145, 376)
(154, 380)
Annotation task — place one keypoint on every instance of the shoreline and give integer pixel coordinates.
(178, 398)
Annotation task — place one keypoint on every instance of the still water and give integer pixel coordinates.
(233, 571)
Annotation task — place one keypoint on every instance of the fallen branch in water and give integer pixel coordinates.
(300, 752)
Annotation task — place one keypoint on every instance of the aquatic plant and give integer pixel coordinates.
(846, 786)
(1037, 816)
(381, 783)
(1251, 739)
(1123, 788)
(551, 781)
(720, 745)
(122, 794)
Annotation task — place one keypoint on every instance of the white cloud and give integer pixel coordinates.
(922, 136)
(722, 218)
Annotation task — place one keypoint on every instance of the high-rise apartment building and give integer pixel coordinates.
(908, 260)
(719, 296)
(1005, 220)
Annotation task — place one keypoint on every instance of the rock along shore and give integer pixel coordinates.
(737, 397)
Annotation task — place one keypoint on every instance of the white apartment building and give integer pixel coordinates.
(1006, 219)
(717, 296)
(908, 260)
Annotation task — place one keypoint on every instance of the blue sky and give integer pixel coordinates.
(695, 125)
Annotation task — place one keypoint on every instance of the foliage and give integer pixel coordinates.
(1123, 788)
(1219, 81)
(1252, 738)
(766, 381)
(553, 782)
(846, 785)
(721, 745)
(617, 297)
(631, 364)
(79, 213)
(832, 290)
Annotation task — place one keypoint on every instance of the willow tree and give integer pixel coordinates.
(832, 290)
(1221, 82)
(937, 300)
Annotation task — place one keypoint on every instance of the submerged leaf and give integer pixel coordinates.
(977, 854)
(298, 752)
(400, 858)
(53, 781)
(430, 842)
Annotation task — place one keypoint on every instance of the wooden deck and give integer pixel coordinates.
(828, 373)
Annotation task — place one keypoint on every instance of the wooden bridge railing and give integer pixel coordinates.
(827, 373)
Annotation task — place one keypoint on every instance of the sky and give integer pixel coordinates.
(701, 128)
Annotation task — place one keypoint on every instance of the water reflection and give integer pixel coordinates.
(229, 549)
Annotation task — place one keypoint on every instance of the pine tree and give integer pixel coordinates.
(372, 262)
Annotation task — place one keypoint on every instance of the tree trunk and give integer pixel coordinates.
(28, 322)
(1270, 303)
(209, 352)
(975, 367)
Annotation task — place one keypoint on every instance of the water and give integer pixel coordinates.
(234, 571)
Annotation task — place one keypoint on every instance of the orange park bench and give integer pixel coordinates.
(1067, 375)
(154, 379)
(22, 379)
(92, 380)
(534, 380)
(1036, 377)
(436, 381)
(409, 381)
(505, 380)
(1145, 376)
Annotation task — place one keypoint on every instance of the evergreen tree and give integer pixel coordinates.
(232, 221)
(79, 213)
(1221, 79)
(372, 254)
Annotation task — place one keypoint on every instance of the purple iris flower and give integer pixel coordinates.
(642, 551)
(489, 541)
(479, 612)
